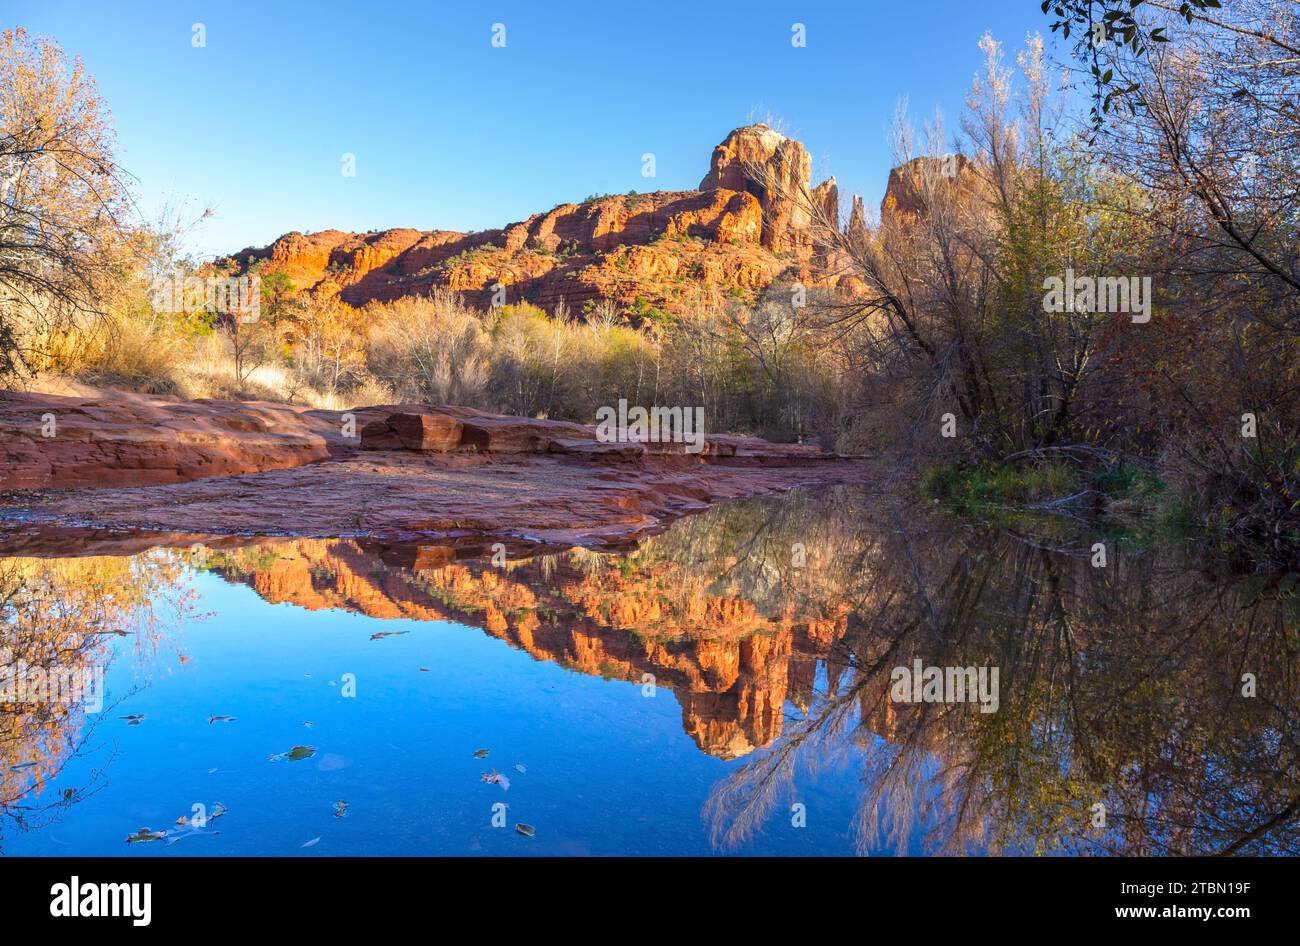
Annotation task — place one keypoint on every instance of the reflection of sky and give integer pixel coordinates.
(608, 770)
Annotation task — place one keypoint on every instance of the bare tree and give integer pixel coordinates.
(61, 195)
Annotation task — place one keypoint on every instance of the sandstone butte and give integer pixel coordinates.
(123, 462)
(740, 231)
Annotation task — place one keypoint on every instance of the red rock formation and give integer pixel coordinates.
(777, 171)
(857, 226)
(751, 206)
(905, 194)
(124, 439)
(826, 197)
(226, 467)
(436, 433)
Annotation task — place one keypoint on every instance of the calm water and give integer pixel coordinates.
(725, 687)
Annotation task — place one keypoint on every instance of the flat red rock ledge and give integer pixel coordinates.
(128, 462)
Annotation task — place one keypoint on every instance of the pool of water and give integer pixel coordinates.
(731, 686)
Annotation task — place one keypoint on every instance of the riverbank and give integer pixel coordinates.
(121, 463)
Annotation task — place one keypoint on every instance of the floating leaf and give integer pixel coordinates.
(135, 719)
(296, 754)
(481, 753)
(340, 809)
(520, 768)
(526, 830)
(220, 719)
(308, 723)
(496, 778)
(190, 832)
(145, 834)
(380, 635)
(312, 843)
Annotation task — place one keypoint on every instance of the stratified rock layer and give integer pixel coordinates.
(226, 467)
(747, 226)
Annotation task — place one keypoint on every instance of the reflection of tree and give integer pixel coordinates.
(1120, 686)
(63, 615)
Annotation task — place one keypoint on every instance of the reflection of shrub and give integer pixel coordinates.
(1127, 482)
(969, 488)
(1128, 490)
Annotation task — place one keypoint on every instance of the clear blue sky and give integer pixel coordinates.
(451, 133)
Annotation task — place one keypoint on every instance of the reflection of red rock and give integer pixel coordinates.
(730, 667)
(730, 722)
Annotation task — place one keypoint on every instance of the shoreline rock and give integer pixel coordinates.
(132, 463)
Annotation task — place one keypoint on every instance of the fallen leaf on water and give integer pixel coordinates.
(312, 843)
(520, 768)
(220, 719)
(296, 754)
(424, 670)
(190, 832)
(340, 809)
(382, 634)
(135, 719)
(481, 753)
(496, 778)
(182, 820)
(526, 830)
(145, 834)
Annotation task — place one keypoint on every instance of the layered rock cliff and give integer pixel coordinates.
(747, 225)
